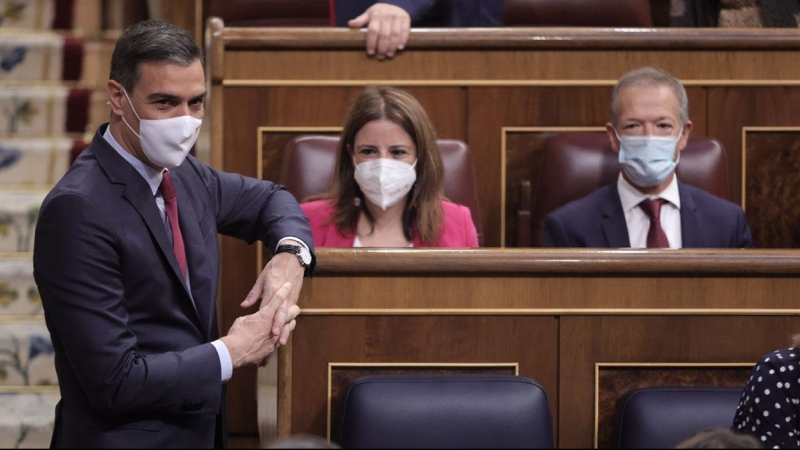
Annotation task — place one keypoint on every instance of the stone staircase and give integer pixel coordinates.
(54, 59)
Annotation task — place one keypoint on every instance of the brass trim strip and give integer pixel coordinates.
(37, 320)
(503, 159)
(489, 83)
(548, 312)
(332, 365)
(745, 130)
(30, 389)
(598, 366)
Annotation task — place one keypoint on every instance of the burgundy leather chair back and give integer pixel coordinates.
(584, 13)
(310, 160)
(575, 164)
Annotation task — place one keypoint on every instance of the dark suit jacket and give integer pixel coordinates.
(432, 13)
(598, 220)
(132, 344)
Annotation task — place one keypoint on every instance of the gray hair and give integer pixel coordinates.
(650, 77)
(151, 41)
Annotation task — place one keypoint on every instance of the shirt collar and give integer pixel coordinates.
(151, 176)
(630, 197)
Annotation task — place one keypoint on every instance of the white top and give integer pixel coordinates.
(357, 243)
(637, 220)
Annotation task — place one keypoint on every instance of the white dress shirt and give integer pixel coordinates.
(637, 220)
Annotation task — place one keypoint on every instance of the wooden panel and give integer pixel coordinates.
(585, 341)
(491, 109)
(473, 84)
(615, 382)
(772, 181)
(280, 66)
(528, 341)
(730, 109)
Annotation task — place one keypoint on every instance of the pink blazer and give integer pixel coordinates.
(458, 230)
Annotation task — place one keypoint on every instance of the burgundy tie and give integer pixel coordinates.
(171, 206)
(656, 238)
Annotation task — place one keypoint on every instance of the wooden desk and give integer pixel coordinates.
(588, 325)
(501, 91)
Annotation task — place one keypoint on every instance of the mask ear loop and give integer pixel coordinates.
(134, 111)
(356, 199)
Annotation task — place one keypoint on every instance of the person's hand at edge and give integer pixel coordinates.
(388, 28)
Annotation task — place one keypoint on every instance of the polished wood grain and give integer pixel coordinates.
(474, 84)
(614, 383)
(565, 262)
(771, 182)
(585, 341)
(442, 340)
(731, 109)
(528, 38)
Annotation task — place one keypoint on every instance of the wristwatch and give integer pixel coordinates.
(302, 253)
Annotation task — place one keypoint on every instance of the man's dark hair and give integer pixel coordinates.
(151, 41)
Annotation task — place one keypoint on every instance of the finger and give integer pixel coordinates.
(394, 37)
(254, 294)
(277, 306)
(287, 330)
(405, 25)
(383, 40)
(359, 21)
(293, 312)
(373, 31)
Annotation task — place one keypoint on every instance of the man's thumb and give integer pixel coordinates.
(359, 21)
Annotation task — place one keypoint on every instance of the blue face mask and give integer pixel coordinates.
(648, 160)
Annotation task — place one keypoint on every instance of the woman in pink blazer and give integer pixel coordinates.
(388, 182)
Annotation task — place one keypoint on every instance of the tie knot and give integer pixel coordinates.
(652, 207)
(166, 188)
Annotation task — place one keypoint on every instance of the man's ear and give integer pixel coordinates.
(687, 130)
(612, 137)
(116, 97)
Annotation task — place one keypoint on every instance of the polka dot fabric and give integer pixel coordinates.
(770, 404)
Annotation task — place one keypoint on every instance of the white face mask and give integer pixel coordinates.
(648, 160)
(385, 181)
(166, 142)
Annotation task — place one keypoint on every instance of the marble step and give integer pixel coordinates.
(26, 355)
(33, 58)
(26, 418)
(79, 16)
(19, 296)
(19, 210)
(36, 162)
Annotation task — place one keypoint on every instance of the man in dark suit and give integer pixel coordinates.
(648, 207)
(127, 257)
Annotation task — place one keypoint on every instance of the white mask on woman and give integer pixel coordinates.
(166, 142)
(385, 181)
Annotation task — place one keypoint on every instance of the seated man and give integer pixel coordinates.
(648, 207)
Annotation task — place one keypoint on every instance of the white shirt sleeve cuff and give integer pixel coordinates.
(224, 360)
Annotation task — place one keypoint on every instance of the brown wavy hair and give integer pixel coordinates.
(796, 341)
(423, 214)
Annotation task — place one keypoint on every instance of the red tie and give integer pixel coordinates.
(171, 206)
(656, 238)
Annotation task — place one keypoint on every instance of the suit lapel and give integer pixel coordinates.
(140, 196)
(691, 220)
(197, 260)
(613, 222)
